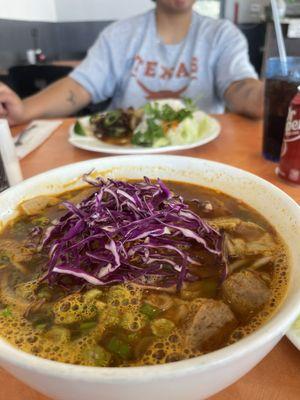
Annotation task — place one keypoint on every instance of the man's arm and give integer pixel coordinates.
(62, 98)
(246, 97)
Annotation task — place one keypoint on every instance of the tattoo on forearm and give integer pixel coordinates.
(240, 85)
(246, 97)
(71, 98)
(244, 88)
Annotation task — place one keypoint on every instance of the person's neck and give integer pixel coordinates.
(173, 28)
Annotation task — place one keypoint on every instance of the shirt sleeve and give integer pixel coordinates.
(232, 63)
(96, 73)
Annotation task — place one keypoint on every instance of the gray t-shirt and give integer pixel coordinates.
(130, 63)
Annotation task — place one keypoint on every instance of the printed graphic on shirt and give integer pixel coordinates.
(161, 94)
(153, 69)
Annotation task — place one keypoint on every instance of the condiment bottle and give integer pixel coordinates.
(289, 167)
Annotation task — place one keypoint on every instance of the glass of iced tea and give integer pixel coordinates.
(282, 82)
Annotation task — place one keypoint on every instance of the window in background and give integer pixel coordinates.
(210, 8)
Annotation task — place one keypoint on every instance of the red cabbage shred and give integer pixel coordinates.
(129, 232)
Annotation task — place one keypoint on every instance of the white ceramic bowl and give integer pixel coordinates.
(193, 379)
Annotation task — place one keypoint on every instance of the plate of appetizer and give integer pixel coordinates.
(160, 126)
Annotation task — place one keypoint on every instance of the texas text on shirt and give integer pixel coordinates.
(130, 64)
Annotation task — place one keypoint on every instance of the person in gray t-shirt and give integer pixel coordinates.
(169, 52)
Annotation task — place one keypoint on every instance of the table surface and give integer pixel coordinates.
(277, 376)
(66, 63)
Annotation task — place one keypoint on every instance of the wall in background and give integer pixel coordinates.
(59, 41)
(249, 10)
(71, 10)
(28, 10)
(69, 37)
(210, 8)
(95, 10)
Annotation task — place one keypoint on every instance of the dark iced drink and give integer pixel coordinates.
(279, 93)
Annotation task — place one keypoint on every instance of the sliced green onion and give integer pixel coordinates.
(44, 293)
(4, 259)
(6, 312)
(120, 348)
(84, 326)
(41, 327)
(150, 311)
(162, 327)
(97, 356)
(41, 221)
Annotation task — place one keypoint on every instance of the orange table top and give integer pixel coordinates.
(277, 377)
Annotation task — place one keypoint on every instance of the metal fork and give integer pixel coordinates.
(19, 141)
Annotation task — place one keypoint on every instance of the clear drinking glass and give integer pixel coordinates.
(280, 90)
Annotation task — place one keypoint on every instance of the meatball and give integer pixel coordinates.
(209, 324)
(246, 293)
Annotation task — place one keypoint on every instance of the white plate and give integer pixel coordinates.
(294, 335)
(93, 144)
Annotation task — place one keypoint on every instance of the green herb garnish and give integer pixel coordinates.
(159, 119)
(191, 104)
(41, 326)
(146, 138)
(150, 311)
(6, 312)
(119, 347)
(41, 221)
(112, 117)
(86, 326)
(166, 113)
(4, 259)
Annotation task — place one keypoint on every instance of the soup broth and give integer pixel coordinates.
(117, 316)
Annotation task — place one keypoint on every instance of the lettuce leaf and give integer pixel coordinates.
(188, 131)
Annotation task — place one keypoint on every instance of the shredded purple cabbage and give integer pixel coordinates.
(138, 232)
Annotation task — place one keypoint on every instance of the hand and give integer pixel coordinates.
(11, 106)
